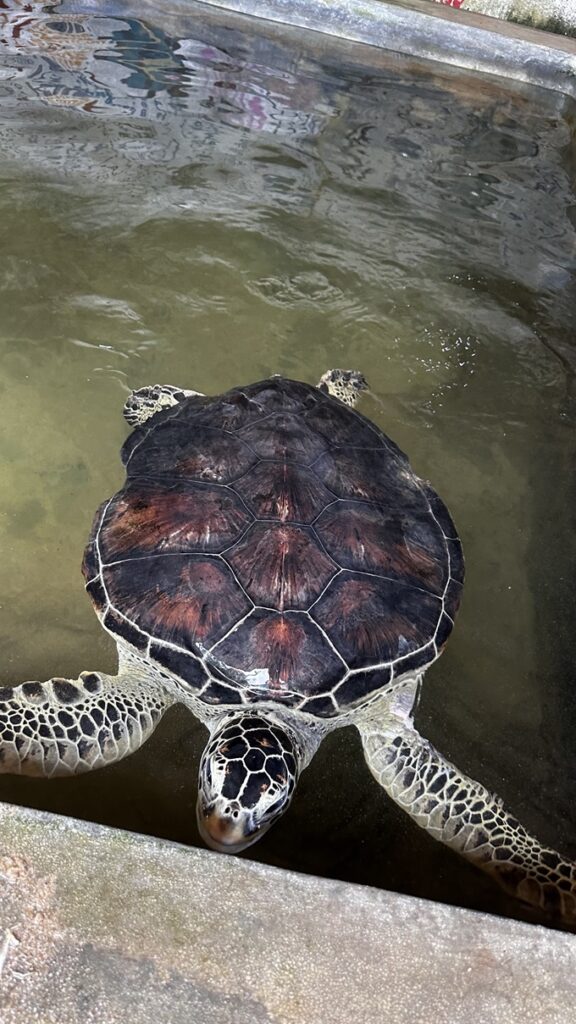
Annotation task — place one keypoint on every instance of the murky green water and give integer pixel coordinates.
(193, 201)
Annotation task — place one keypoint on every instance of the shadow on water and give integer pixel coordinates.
(201, 200)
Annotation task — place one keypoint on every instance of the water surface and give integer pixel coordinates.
(205, 201)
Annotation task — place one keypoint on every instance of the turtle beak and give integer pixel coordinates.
(230, 833)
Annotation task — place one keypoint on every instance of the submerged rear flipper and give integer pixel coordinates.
(346, 385)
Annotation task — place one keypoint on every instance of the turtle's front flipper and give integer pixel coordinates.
(65, 726)
(461, 813)
(144, 403)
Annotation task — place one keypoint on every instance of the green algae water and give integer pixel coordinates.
(204, 201)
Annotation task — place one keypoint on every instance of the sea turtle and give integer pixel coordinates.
(273, 563)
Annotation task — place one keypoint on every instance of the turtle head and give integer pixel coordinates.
(248, 773)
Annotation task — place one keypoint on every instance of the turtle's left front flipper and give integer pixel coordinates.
(70, 726)
(460, 812)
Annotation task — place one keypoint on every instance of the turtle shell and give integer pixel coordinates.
(271, 544)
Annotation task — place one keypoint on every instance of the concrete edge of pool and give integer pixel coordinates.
(419, 29)
(100, 925)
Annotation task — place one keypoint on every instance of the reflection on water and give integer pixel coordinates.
(203, 200)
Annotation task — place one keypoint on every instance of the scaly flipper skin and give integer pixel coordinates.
(143, 403)
(70, 726)
(346, 385)
(461, 813)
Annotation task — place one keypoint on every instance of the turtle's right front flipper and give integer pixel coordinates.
(66, 727)
(464, 815)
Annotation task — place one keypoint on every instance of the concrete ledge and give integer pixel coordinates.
(104, 926)
(415, 28)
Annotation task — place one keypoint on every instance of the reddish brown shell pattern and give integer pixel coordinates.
(271, 544)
